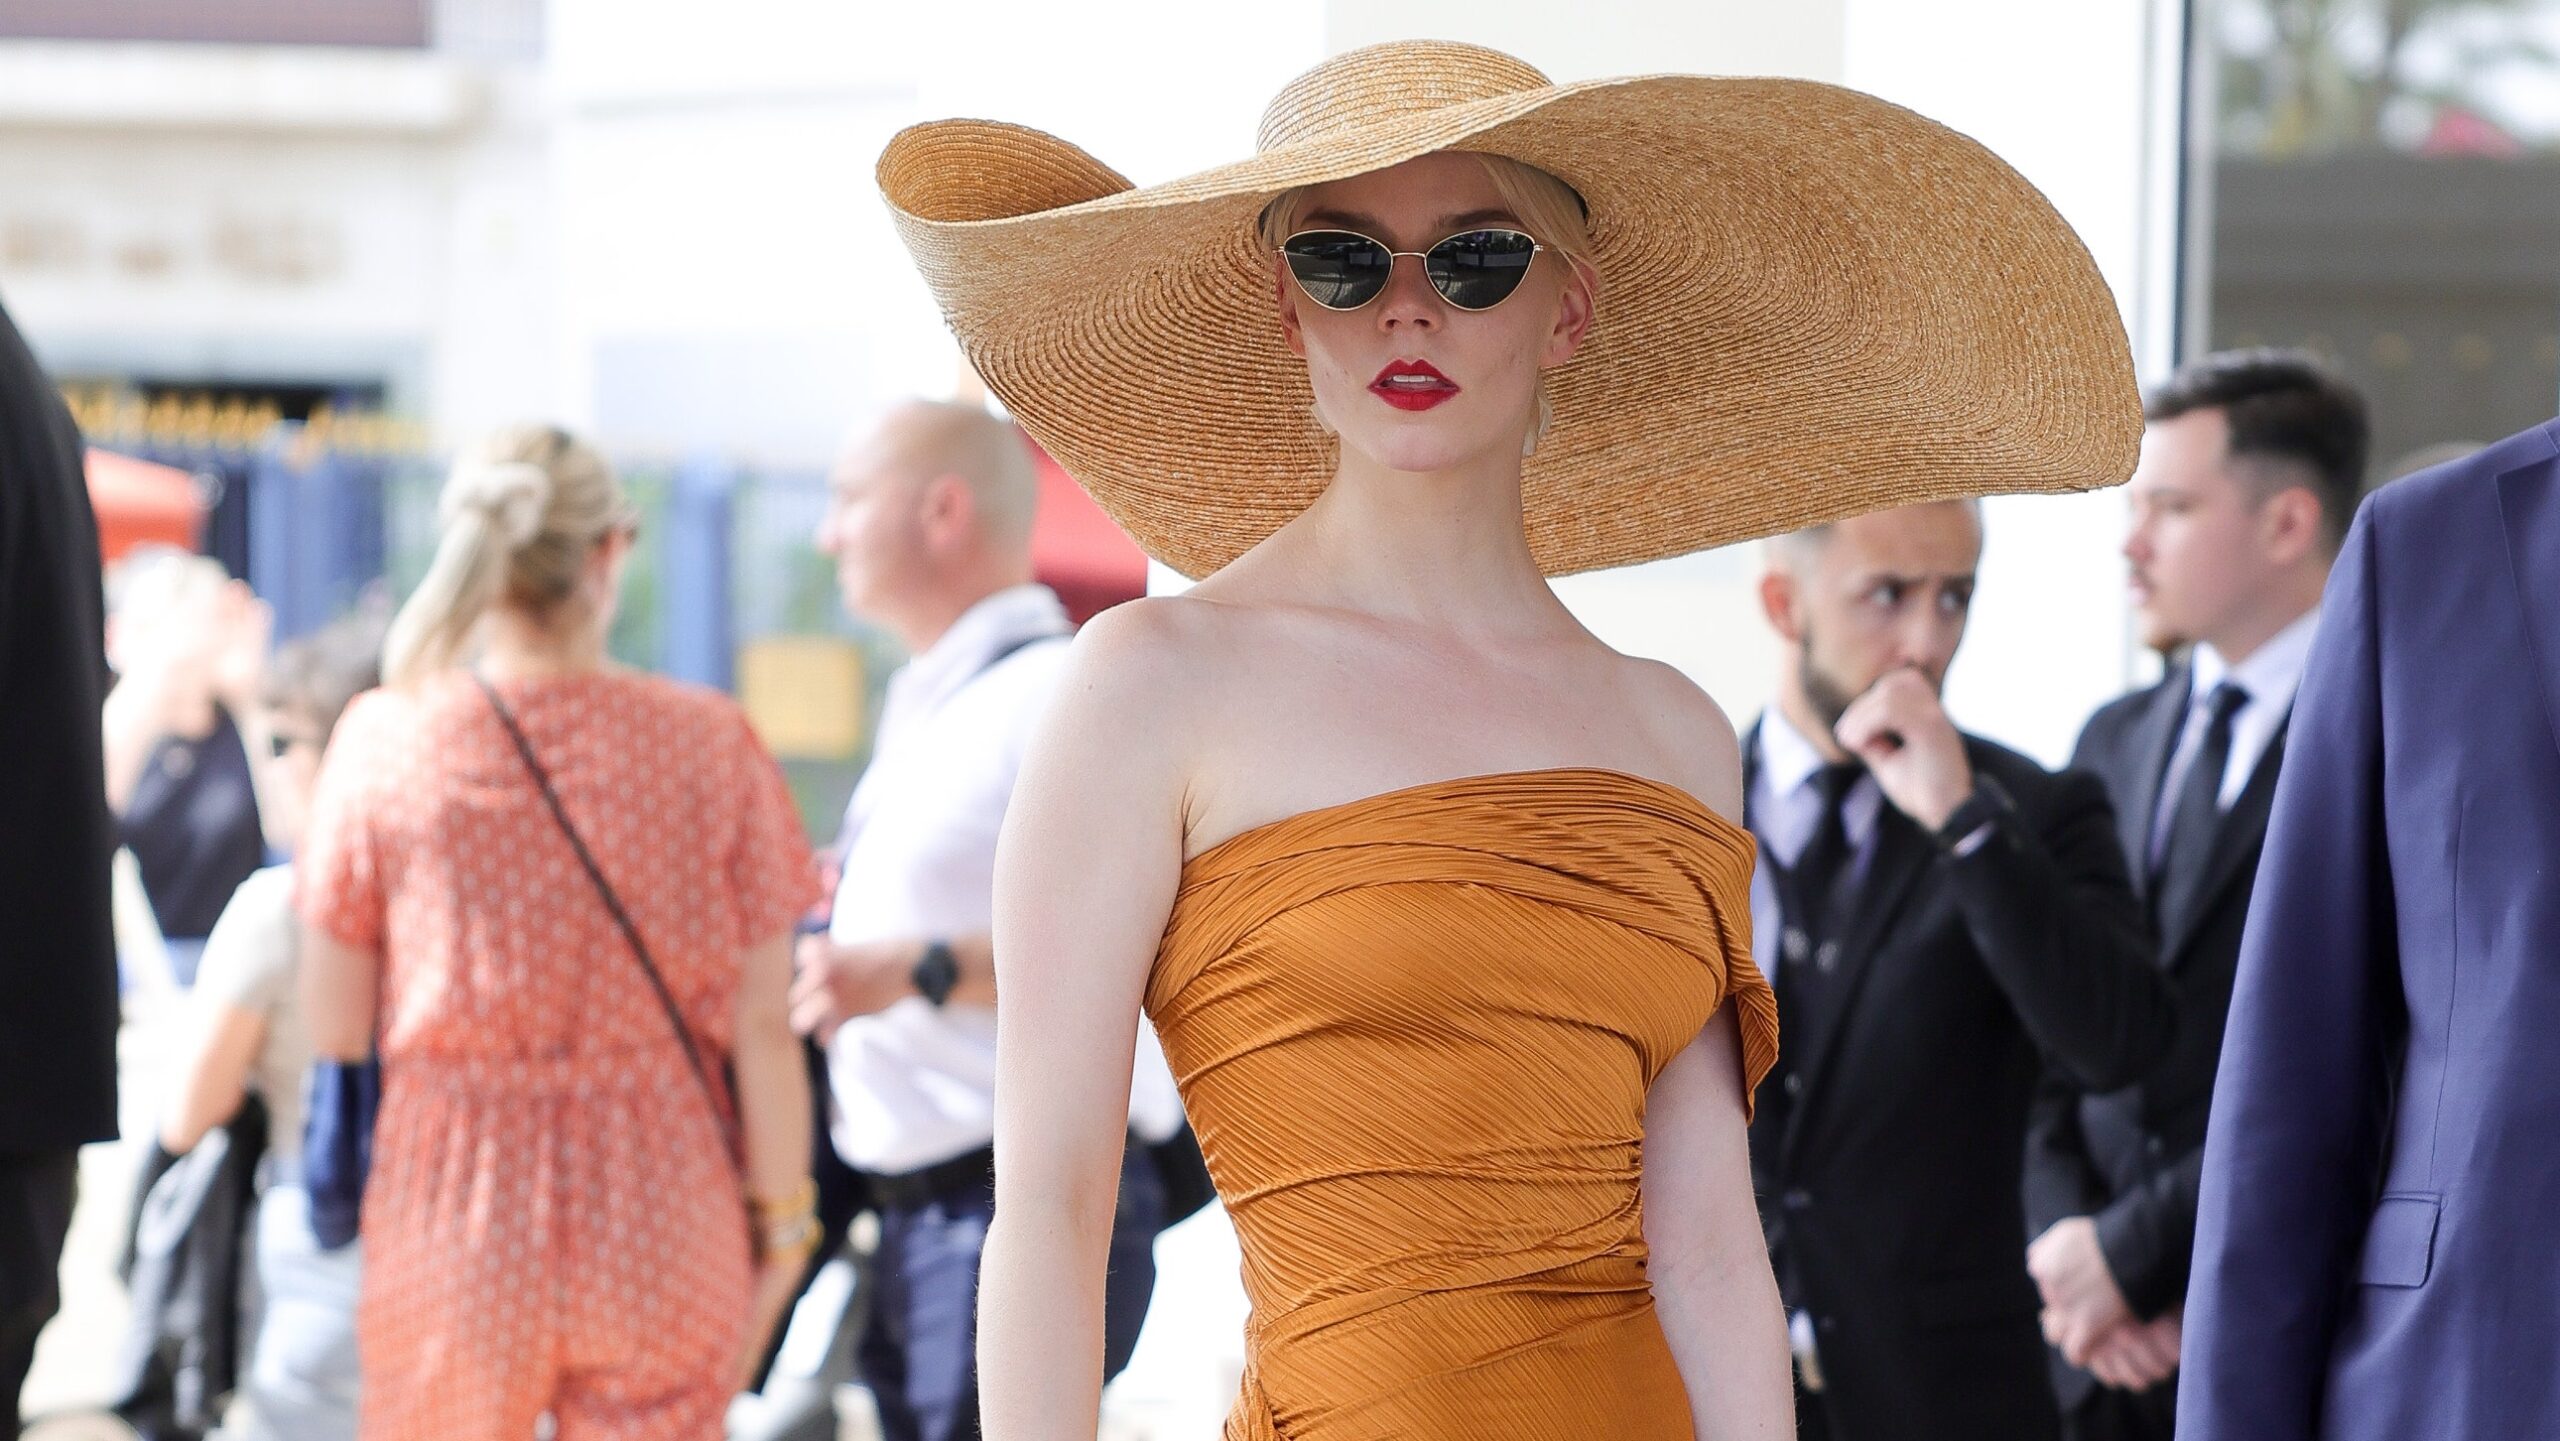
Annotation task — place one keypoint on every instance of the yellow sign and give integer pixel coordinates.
(804, 694)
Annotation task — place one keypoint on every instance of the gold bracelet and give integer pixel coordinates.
(801, 1200)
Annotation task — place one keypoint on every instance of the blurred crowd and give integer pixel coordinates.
(654, 1118)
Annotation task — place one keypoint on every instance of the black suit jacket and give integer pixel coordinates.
(1887, 1147)
(2131, 1157)
(57, 941)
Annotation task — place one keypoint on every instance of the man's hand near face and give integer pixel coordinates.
(1901, 733)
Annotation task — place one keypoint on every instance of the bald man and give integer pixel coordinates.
(929, 525)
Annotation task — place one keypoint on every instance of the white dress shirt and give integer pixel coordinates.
(914, 1085)
(1785, 810)
(2270, 676)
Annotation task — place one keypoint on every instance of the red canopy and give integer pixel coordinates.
(139, 503)
(1077, 551)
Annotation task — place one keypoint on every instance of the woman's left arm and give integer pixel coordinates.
(340, 988)
(773, 1116)
(1712, 1285)
(339, 894)
(1710, 1269)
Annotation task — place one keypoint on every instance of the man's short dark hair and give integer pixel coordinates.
(2283, 406)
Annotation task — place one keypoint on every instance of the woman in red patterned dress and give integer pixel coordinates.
(557, 1221)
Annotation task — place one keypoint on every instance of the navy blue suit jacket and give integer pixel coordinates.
(2378, 1247)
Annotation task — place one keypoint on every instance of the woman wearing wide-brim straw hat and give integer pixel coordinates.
(1440, 906)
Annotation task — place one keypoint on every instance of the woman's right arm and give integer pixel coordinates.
(247, 965)
(215, 1078)
(1085, 878)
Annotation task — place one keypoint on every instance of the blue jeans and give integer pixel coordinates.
(919, 1355)
(301, 1383)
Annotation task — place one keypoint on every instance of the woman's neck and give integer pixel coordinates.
(1440, 545)
(515, 644)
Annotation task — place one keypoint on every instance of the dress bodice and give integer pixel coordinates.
(1416, 1033)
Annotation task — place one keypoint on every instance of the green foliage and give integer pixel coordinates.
(2308, 77)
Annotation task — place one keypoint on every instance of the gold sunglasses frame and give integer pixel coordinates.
(1394, 255)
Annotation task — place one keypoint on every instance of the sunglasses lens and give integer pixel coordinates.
(1479, 269)
(1337, 269)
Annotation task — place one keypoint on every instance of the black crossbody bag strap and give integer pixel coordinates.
(621, 917)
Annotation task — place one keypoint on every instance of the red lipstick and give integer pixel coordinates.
(1412, 385)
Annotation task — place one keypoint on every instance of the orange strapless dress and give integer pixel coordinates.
(1415, 1033)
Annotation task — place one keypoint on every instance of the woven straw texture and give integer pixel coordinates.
(1813, 304)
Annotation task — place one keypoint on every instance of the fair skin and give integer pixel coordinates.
(1321, 667)
(341, 983)
(916, 544)
(2223, 549)
(2227, 551)
(1872, 611)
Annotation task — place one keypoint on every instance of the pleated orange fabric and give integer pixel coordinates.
(1415, 1033)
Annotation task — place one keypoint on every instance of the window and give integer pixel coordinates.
(2379, 181)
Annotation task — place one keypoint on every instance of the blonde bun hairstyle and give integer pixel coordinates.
(519, 515)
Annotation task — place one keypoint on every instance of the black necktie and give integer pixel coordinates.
(1812, 891)
(2196, 819)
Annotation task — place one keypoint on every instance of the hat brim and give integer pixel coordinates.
(1814, 304)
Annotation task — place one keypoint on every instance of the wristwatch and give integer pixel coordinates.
(1976, 820)
(936, 972)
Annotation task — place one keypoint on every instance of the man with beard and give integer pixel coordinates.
(1942, 919)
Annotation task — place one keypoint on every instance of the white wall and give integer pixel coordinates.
(219, 213)
(1597, 38)
(733, 281)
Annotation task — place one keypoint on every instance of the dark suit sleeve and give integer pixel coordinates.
(2055, 918)
(2060, 1181)
(2292, 1142)
(2148, 1236)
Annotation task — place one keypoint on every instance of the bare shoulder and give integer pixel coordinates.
(1688, 731)
(1142, 679)
(1153, 652)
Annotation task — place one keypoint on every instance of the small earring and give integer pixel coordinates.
(1538, 432)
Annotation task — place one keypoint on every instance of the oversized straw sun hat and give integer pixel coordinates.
(1812, 304)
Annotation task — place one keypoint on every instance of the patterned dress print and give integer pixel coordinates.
(553, 1222)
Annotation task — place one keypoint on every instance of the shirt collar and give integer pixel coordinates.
(1788, 765)
(1009, 616)
(1787, 759)
(2272, 672)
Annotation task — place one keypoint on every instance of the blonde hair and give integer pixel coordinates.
(1546, 207)
(1551, 211)
(519, 516)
